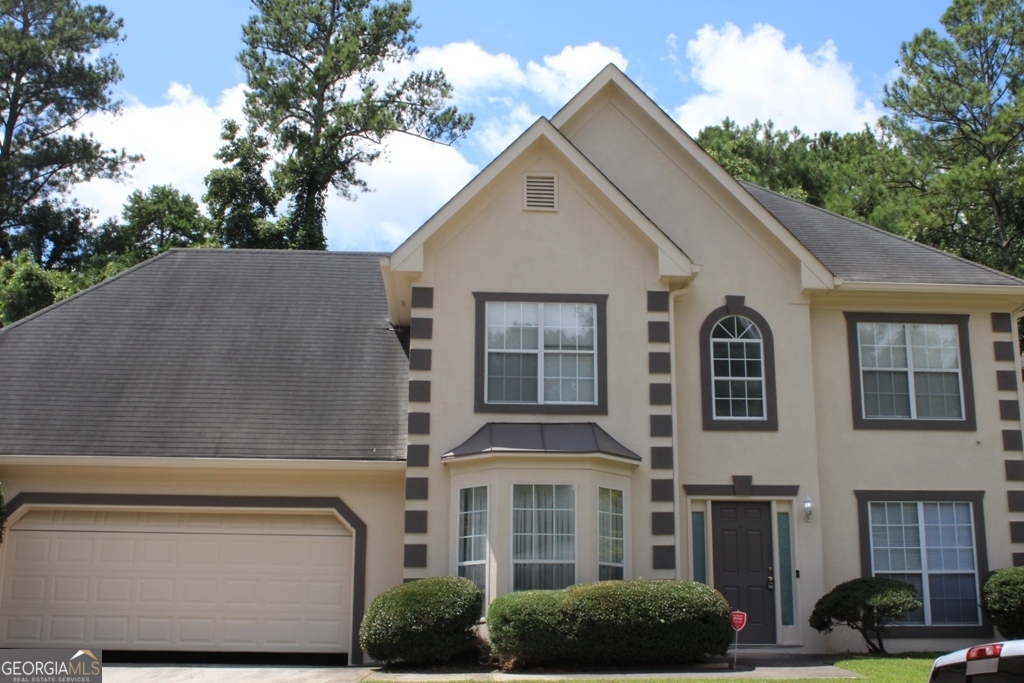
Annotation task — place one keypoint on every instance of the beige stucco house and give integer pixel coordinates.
(604, 358)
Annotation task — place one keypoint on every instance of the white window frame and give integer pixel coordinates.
(925, 572)
(540, 352)
(459, 562)
(622, 564)
(714, 396)
(911, 370)
(512, 532)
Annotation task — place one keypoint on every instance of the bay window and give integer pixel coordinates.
(543, 536)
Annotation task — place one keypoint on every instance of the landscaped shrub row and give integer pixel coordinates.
(1003, 599)
(639, 622)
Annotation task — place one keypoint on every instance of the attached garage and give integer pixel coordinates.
(190, 580)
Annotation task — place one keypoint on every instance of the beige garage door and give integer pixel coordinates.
(233, 582)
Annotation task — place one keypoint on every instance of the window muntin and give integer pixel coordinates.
(472, 542)
(737, 369)
(543, 536)
(541, 353)
(937, 556)
(611, 534)
(910, 371)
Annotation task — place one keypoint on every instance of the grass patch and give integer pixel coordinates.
(904, 668)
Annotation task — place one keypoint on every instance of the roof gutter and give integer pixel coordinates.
(930, 288)
(202, 463)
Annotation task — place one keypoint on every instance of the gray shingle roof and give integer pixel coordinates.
(212, 353)
(861, 253)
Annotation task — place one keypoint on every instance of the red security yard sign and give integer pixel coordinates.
(737, 620)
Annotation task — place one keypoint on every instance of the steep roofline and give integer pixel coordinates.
(1016, 282)
(612, 76)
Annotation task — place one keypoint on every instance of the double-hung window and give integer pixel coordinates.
(910, 371)
(539, 353)
(611, 534)
(543, 536)
(473, 535)
(931, 546)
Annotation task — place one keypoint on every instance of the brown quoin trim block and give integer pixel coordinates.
(657, 302)
(334, 504)
(416, 488)
(968, 424)
(1016, 532)
(417, 455)
(1001, 322)
(1006, 380)
(1003, 350)
(663, 524)
(1009, 410)
(421, 328)
(415, 521)
(976, 499)
(419, 423)
(422, 297)
(657, 332)
(659, 363)
(662, 490)
(419, 391)
(1015, 501)
(734, 305)
(419, 359)
(1018, 559)
(480, 405)
(1014, 470)
(664, 557)
(1012, 440)
(415, 555)
(661, 394)
(661, 425)
(661, 457)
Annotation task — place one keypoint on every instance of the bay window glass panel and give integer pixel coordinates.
(522, 369)
(611, 534)
(473, 535)
(737, 368)
(543, 536)
(910, 371)
(931, 546)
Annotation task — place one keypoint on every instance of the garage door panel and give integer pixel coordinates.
(177, 590)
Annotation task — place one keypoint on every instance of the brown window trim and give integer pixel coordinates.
(976, 499)
(600, 302)
(735, 306)
(968, 424)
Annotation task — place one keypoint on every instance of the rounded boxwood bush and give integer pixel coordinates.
(426, 621)
(640, 622)
(644, 622)
(866, 605)
(524, 627)
(1002, 598)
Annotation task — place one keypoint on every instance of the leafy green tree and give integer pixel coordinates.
(958, 109)
(313, 68)
(55, 234)
(50, 79)
(867, 605)
(26, 287)
(161, 218)
(240, 199)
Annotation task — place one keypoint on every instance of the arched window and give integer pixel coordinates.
(737, 355)
(737, 368)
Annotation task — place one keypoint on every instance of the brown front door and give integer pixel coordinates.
(742, 551)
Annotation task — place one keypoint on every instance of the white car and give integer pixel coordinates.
(992, 663)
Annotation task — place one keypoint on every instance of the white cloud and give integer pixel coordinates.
(564, 74)
(756, 76)
(498, 133)
(470, 68)
(177, 138)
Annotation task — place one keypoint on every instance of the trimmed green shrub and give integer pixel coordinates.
(641, 622)
(1002, 598)
(867, 606)
(645, 622)
(524, 627)
(426, 621)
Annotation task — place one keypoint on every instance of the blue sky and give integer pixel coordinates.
(818, 65)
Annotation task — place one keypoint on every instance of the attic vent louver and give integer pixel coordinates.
(540, 192)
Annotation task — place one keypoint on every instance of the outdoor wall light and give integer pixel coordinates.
(808, 508)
